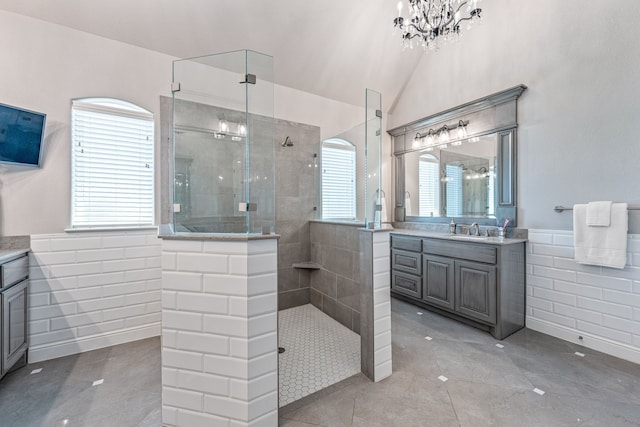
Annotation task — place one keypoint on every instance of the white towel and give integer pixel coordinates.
(599, 214)
(407, 205)
(604, 246)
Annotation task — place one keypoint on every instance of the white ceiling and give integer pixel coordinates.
(332, 48)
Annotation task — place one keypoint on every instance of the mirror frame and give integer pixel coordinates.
(496, 113)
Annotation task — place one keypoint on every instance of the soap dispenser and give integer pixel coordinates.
(452, 227)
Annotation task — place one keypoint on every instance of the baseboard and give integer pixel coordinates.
(80, 345)
(623, 351)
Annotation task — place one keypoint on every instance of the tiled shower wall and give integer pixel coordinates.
(92, 289)
(570, 300)
(297, 180)
(335, 288)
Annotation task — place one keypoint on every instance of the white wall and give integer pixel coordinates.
(577, 141)
(45, 66)
(598, 307)
(578, 135)
(92, 290)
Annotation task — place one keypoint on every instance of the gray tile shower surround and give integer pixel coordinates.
(486, 386)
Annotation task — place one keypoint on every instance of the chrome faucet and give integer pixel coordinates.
(475, 224)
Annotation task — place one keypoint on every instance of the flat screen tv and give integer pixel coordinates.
(21, 136)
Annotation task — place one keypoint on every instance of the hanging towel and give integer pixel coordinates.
(599, 214)
(407, 204)
(604, 246)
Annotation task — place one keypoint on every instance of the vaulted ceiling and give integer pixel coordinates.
(332, 48)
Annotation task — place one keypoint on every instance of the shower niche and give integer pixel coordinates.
(222, 155)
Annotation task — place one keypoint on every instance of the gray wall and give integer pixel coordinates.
(296, 196)
(335, 287)
(578, 135)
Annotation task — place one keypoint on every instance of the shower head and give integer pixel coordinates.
(287, 142)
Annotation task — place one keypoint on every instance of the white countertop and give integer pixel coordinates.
(457, 237)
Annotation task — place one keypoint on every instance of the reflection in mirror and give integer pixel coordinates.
(452, 180)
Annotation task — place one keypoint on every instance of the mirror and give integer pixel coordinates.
(471, 178)
(452, 181)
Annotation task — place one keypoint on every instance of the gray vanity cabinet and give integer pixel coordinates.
(438, 281)
(482, 284)
(14, 278)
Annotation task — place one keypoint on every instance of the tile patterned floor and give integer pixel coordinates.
(318, 352)
(114, 386)
(461, 378)
(486, 385)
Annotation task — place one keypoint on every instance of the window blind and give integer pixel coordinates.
(428, 177)
(454, 190)
(112, 165)
(338, 182)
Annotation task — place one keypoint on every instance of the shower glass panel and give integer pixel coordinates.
(374, 195)
(223, 151)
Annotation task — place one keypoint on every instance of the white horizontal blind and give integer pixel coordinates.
(112, 164)
(429, 181)
(338, 181)
(454, 190)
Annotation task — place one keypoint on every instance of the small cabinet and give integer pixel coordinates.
(475, 288)
(14, 325)
(438, 281)
(482, 284)
(13, 312)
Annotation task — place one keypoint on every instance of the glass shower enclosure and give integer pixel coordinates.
(223, 144)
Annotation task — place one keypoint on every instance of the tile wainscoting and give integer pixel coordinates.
(91, 290)
(570, 300)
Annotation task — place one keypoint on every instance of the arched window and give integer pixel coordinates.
(338, 179)
(111, 164)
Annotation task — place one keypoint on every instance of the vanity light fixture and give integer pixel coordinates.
(443, 135)
(430, 21)
(224, 130)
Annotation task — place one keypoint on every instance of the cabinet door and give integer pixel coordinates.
(476, 291)
(437, 281)
(407, 284)
(14, 324)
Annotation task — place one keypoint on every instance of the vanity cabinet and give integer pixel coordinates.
(482, 284)
(13, 312)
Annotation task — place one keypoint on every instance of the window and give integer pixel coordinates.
(429, 181)
(111, 164)
(454, 190)
(338, 179)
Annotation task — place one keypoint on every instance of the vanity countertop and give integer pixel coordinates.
(457, 237)
(13, 246)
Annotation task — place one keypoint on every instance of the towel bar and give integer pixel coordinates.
(564, 208)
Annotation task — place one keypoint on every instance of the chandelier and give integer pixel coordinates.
(432, 20)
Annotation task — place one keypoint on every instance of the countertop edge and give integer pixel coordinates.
(450, 238)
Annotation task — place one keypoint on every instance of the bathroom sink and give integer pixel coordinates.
(468, 237)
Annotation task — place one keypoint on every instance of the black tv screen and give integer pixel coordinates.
(21, 135)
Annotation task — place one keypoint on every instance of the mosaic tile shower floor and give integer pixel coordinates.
(319, 352)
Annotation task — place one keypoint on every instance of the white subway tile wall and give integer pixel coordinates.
(571, 300)
(219, 329)
(91, 290)
(381, 305)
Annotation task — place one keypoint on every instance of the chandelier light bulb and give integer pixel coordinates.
(432, 21)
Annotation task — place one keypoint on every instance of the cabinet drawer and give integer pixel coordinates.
(461, 250)
(14, 271)
(406, 243)
(409, 262)
(407, 284)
